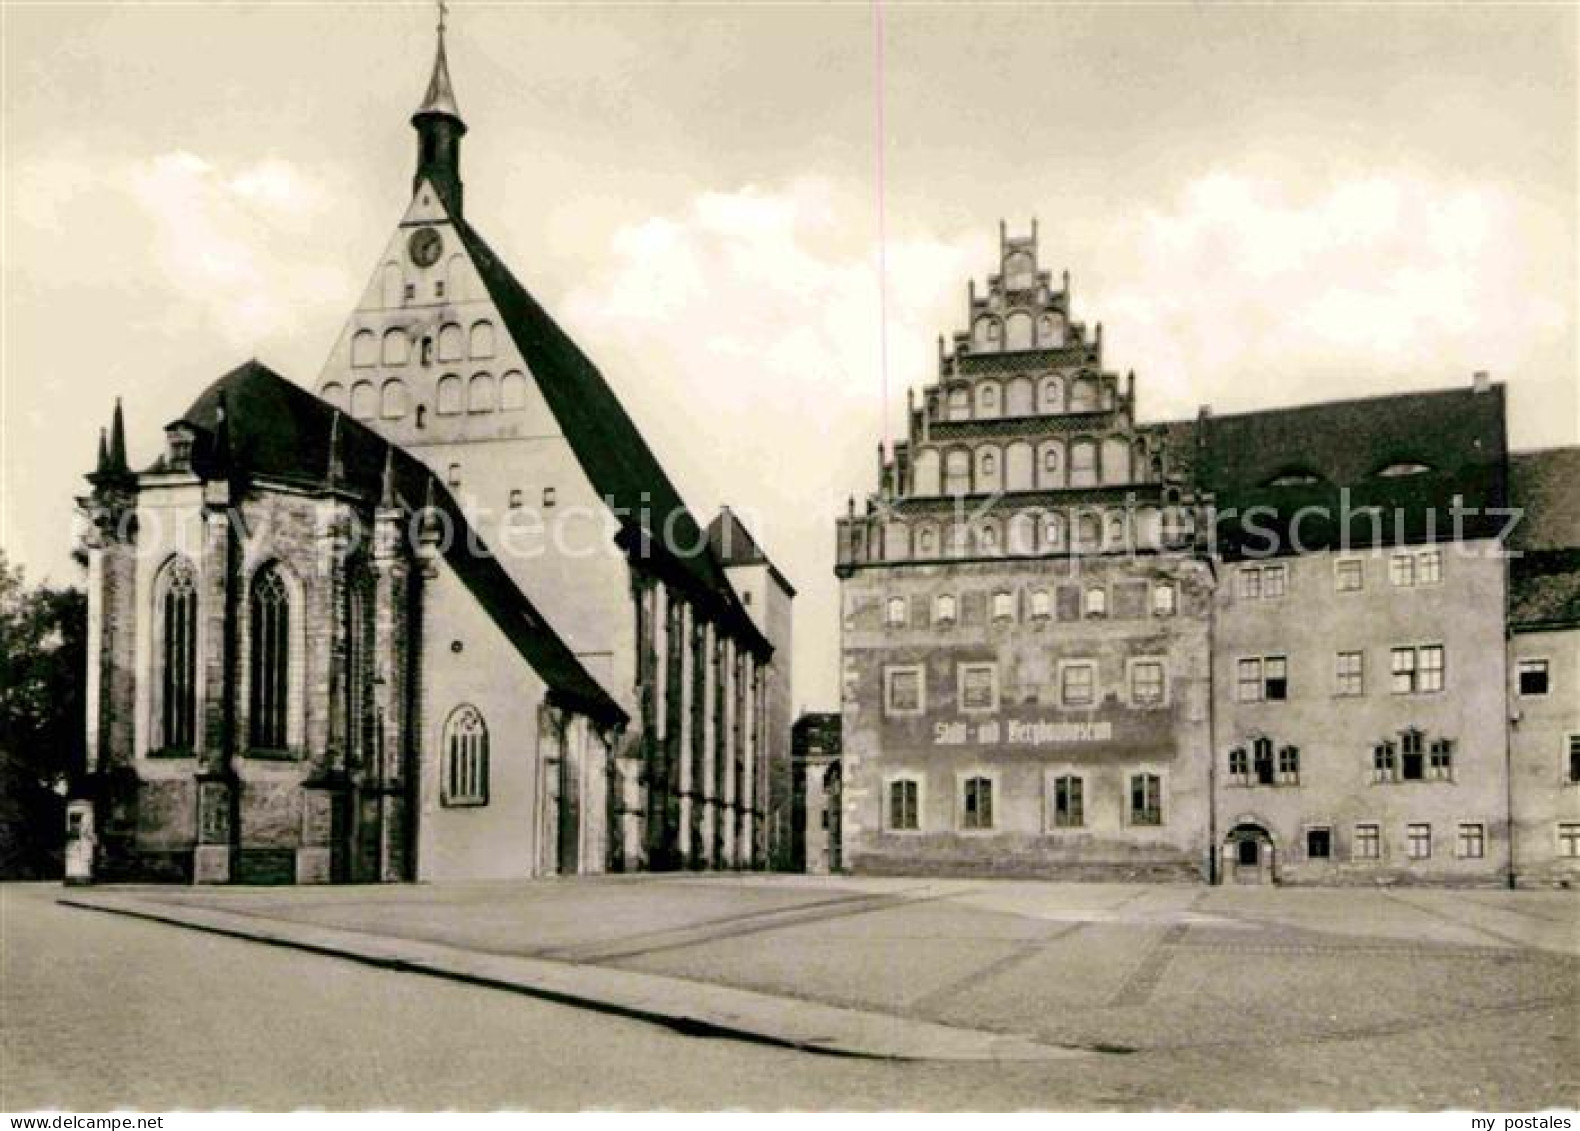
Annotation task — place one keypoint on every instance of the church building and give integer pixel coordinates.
(446, 616)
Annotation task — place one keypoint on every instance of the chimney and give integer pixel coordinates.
(1481, 381)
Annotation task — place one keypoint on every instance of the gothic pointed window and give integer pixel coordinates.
(271, 658)
(465, 770)
(177, 611)
(359, 664)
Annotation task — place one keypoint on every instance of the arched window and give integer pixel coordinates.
(364, 400)
(449, 342)
(449, 394)
(1019, 397)
(1041, 604)
(1116, 531)
(482, 341)
(480, 393)
(1019, 469)
(894, 616)
(364, 349)
(1052, 396)
(359, 667)
(1021, 536)
(1083, 463)
(987, 399)
(986, 537)
(271, 659)
(1017, 331)
(987, 470)
(177, 606)
(1053, 533)
(985, 333)
(1088, 532)
(513, 391)
(1083, 395)
(1116, 460)
(944, 609)
(333, 393)
(957, 472)
(1096, 601)
(959, 403)
(1050, 330)
(392, 399)
(1052, 474)
(397, 347)
(896, 541)
(926, 542)
(465, 758)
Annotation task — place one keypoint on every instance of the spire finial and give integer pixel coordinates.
(104, 453)
(387, 485)
(440, 129)
(118, 462)
(336, 471)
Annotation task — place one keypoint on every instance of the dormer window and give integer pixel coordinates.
(1294, 479)
(1402, 469)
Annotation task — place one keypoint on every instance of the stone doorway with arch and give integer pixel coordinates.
(1250, 854)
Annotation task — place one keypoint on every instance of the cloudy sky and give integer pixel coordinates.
(1262, 205)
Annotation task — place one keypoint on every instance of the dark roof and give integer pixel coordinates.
(733, 545)
(277, 431)
(1544, 486)
(1544, 590)
(655, 523)
(820, 729)
(1325, 459)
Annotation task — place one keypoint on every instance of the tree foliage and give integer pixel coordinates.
(43, 667)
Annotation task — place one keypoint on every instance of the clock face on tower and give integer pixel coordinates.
(425, 245)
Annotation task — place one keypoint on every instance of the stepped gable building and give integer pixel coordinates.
(288, 621)
(637, 641)
(1273, 646)
(1025, 669)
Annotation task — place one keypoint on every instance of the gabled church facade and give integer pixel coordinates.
(447, 618)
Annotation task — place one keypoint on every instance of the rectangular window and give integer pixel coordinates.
(1384, 761)
(1429, 567)
(1349, 673)
(904, 807)
(1275, 676)
(1274, 581)
(1289, 765)
(1250, 582)
(1349, 575)
(1533, 677)
(1569, 840)
(1165, 600)
(1472, 841)
(1418, 839)
(976, 809)
(1003, 606)
(1078, 684)
(1319, 844)
(903, 692)
(1248, 681)
(1240, 765)
(1069, 802)
(1146, 799)
(978, 687)
(894, 612)
(1441, 762)
(1041, 605)
(1146, 682)
(1404, 671)
(1431, 661)
(1401, 570)
(1368, 843)
(1574, 759)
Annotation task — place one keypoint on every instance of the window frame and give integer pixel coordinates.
(454, 762)
(890, 620)
(1065, 666)
(965, 779)
(1073, 786)
(1156, 814)
(1476, 838)
(1132, 664)
(1324, 830)
(1418, 840)
(1367, 835)
(892, 670)
(962, 670)
(1545, 670)
(918, 785)
(1349, 684)
(1342, 568)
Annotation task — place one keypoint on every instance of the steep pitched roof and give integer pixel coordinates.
(655, 523)
(733, 545)
(278, 431)
(1545, 487)
(1544, 590)
(1334, 459)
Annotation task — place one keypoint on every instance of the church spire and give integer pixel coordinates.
(439, 130)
